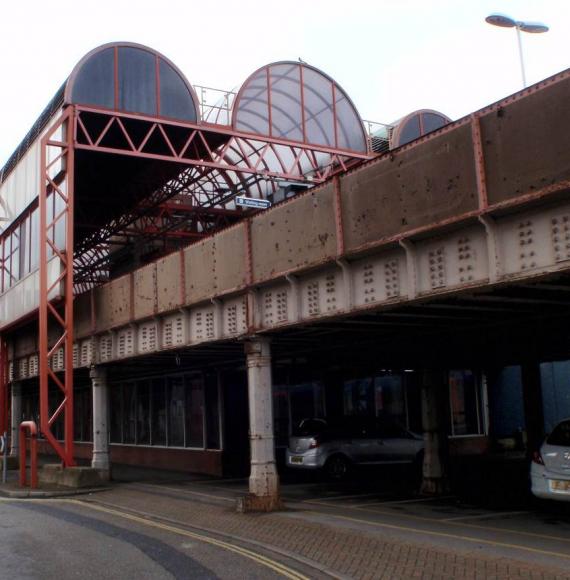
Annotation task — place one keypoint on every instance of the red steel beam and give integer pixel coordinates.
(61, 322)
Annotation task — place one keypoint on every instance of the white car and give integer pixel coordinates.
(550, 467)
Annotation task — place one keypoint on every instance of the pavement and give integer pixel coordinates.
(369, 527)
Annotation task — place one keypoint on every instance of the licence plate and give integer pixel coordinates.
(296, 459)
(560, 486)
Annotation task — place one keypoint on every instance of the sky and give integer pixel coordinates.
(391, 56)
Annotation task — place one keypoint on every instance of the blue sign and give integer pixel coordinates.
(252, 202)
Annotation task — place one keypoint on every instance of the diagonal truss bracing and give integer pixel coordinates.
(56, 284)
(216, 164)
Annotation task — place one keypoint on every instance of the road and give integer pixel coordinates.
(74, 539)
(182, 526)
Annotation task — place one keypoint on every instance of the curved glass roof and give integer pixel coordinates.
(415, 125)
(297, 102)
(132, 78)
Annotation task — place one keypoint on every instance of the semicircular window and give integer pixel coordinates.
(416, 125)
(134, 80)
(296, 102)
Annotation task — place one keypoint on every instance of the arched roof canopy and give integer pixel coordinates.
(297, 102)
(132, 78)
(415, 125)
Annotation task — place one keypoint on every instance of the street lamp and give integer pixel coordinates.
(507, 22)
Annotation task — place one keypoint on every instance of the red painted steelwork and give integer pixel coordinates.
(4, 380)
(196, 149)
(479, 162)
(338, 216)
(60, 185)
(31, 427)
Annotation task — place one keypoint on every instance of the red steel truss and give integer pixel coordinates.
(209, 146)
(217, 163)
(56, 215)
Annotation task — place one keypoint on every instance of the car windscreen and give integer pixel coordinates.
(560, 435)
(310, 427)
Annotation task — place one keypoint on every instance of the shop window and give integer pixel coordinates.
(158, 412)
(465, 393)
(390, 397)
(358, 397)
(306, 401)
(167, 411)
(82, 415)
(212, 393)
(281, 414)
(176, 411)
(116, 407)
(57, 427)
(129, 413)
(143, 413)
(292, 404)
(194, 414)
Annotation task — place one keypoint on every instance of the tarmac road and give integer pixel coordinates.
(70, 539)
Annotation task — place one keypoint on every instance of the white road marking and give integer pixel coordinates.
(400, 501)
(487, 515)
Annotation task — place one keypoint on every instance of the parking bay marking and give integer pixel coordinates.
(337, 497)
(377, 511)
(419, 531)
(487, 515)
(400, 501)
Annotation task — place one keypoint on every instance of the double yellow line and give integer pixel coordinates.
(258, 558)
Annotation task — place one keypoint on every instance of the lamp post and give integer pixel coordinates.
(507, 22)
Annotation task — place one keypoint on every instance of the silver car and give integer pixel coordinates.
(550, 467)
(316, 444)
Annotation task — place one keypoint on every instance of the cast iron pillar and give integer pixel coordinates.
(263, 480)
(15, 418)
(100, 458)
(435, 477)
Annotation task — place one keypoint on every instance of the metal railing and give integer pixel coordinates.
(215, 104)
(379, 135)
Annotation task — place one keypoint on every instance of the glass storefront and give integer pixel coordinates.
(180, 410)
(465, 396)
(293, 403)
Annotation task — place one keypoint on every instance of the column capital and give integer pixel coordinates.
(98, 375)
(257, 345)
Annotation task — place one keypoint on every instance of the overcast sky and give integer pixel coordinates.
(390, 56)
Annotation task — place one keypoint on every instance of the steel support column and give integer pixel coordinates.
(100, 388)
(263, 479)
(56, 281)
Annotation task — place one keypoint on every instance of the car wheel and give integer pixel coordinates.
(337, 467)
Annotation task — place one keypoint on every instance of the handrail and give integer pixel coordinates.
(32, 428)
